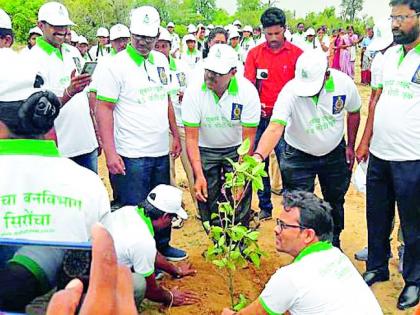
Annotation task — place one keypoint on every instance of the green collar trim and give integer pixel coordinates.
(417, 48)
(172, 64)
(113, 51)
(403, 53)
(28, 147)
(313, 248)
(329, 84)
(237, 48)
(190, 53)
(137, 58)
(315, 99)
(146, 220)
(48, 48)
(233, 88)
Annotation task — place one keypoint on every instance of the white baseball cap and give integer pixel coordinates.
(54, 13)
(310, 73)
(233, 33)
(119, 31)
(35, 30)
(102, 32)
(192, 28)
(83, 40)
(382, 36)
(221, 59)
(168, 199)
(170, 24)
(5, 21)
(190, 37)
(237, 23)
(210, 27)
(145, 21)
(310, 31)
(74, 37)
(164, 35)
(247, 28)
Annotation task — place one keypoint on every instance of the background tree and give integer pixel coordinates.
(350, 8)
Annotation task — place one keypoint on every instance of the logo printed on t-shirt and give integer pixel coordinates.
(181, 78)
(416, 76)
(338, 104)
(162, 75)
(236, 111)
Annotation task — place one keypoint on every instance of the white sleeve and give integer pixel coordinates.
(143, 257)
(377, 70)
(283, 107)
(353, 102)
(108, 84)
(279, 293)
(252, 108)
(190, 107)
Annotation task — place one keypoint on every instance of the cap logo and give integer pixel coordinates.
(146, 19)
(218, 54)
(61, 11)
(304, 74)
(378, 33)
(119, 28)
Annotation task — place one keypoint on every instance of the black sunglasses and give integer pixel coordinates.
(283, 226)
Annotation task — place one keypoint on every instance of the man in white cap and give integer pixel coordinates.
(101, 49)
(119, 35)
(237, 24)
(83, 46)
(218, 114)
(310, 42)
(393, 176)
(135, 114)
(201, 36)
(191, 55)
(191, 30)
(32, 36)
(234, 38)
(310, 111)
(133, 229)
(247, 42)
(299, 37)
(74, 38)
(175, 40)
(6, 34)
(381, 42)
(177, 84)
(60, 65)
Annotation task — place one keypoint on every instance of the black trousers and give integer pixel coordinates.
(390, 182)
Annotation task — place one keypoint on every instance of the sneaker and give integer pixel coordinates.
(174, 254)
(177, 223)
(362, 255)
(159, 274)
(264, 215)
(400, 258)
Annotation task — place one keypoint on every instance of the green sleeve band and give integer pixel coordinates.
(266, 308)
(279, 121)
(187, 124)
(34, 268)
(106, 99)
(93, 90)
(148, 274)
(249, 125)
(355, 111)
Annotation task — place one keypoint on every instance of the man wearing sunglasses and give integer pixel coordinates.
(134, 115)
(218, 113)
(321, 279)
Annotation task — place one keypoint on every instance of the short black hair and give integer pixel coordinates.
(273, 16)
(412, 4)
(212, 35)
(315, 213)
(300, 24)
(5, 32)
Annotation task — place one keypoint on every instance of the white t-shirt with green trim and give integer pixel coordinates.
(377, 68)
(396, 127)
(220, 121)
(191, 59)
(74, 126)
(133, 240)
(44, 197)
(178, 78)
(323, 282)
(317, 128)
(138, 87)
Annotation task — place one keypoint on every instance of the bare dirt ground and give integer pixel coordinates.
(209, 281)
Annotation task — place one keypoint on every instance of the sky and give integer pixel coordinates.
(378, 9)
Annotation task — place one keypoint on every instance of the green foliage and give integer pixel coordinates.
(234, 245)
(350, 8)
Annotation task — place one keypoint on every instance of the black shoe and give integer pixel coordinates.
(409, 297)
(264, 215)
(374, 276)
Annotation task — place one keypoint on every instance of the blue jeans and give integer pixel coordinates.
(141, 176)
(387, 183)
(264, 195)
(88, 160)
(299, 169)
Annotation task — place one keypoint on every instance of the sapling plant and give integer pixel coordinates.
(233, 244)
